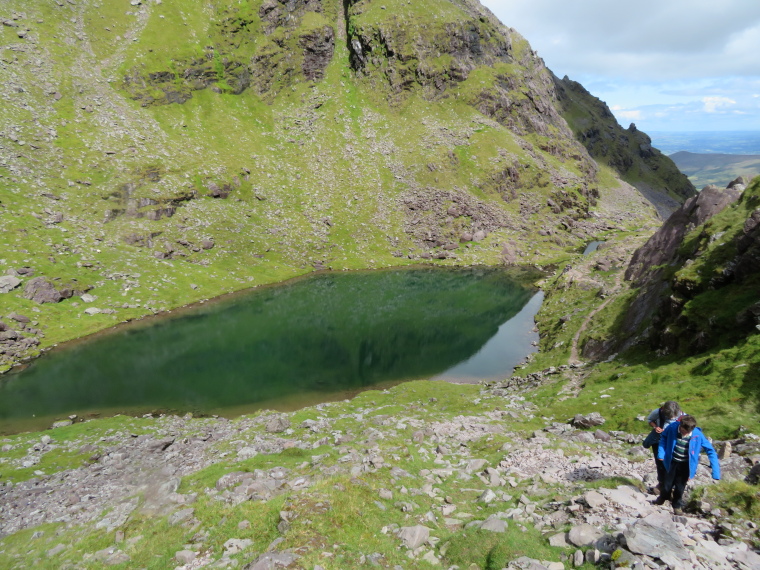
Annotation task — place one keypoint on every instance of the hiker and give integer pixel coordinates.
(659, 419)
(679, 449)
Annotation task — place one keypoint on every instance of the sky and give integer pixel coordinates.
(666, 65)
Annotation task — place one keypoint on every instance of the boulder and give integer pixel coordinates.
(235, 545)
(181, 516)
(584, 535)
(185, 556)
(589, 420)
(594, 499)
(656, 536)
(8, 283)
(278, 424)
(494, 525)
(558, 540)
(40, 290)
(273, 560)
(414, 536)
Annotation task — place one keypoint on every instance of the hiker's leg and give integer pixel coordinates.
(679, 483)
(661, 471)
(667, 486)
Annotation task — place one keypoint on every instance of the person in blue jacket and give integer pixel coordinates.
(680, 445)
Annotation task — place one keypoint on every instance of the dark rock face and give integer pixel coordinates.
(663, 245)
(664, 294)
(318, 47)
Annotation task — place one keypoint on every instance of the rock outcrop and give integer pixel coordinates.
(693, 255)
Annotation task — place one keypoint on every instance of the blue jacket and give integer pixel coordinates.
(697, 444)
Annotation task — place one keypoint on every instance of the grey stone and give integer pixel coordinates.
(558, 540)
(278, 424)
(185, 556)
(181, 516)
(629, 497)
(247, 453)
(494, 525)
(656, 536)
(8, 283)
(748, 559)
(414, 536)
(117, 558)
(475, 465)
(40, 290)
(754, 475)
(594, 499)
(236, 545)
(578, 558)
(118, 516)
(589, 420)
(273, 561)
(55, 550)
(488, 496)
(602, 435)
(584, 535)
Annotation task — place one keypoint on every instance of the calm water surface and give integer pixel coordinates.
(313, 340)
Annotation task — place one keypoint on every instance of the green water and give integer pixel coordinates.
(283, 347)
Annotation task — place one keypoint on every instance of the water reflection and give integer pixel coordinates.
(319, 336)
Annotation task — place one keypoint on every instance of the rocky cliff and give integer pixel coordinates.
(695, 279)
(628, 151)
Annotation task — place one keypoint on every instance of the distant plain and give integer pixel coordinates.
(712, 157)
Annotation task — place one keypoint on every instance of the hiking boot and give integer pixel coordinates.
(659, 500)
(678, 512)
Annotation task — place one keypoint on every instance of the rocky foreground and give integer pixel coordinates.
(419, 477)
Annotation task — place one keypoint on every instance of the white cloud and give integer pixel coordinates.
(629, 115)
(676, 38)
(674, 64)
(714, 104)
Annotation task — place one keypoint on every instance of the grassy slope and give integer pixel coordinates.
(331, 150)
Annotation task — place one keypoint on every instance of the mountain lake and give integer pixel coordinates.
(315, 339)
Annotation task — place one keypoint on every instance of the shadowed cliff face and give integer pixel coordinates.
(697, 276)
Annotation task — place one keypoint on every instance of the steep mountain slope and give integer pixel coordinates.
(628, 151)
(689, 291)
(162, 153)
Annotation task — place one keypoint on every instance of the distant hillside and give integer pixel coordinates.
(718, 169)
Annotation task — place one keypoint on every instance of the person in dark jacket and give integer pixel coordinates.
(658, 420)
(680, 445)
